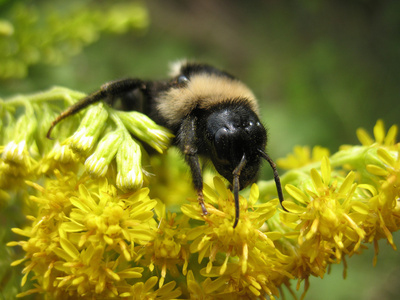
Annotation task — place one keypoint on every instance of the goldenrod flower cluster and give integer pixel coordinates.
(101, 226)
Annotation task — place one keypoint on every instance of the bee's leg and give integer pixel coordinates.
(187, 142)
(107, 90)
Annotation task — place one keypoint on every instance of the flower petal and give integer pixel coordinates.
(297, 194)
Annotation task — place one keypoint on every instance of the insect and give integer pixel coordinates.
(211, 113)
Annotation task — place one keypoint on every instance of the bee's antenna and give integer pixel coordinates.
(236, 187)
(276, 176)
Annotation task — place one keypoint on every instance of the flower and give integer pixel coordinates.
(145, 290)
(301, 157)
(384, 216)
(146, 129)
(246, 245)
(61, 157)
(119, 224)
(129, 165)
(169, 247)
(90, 128)
(327, 212)
(86, 232)
(82, 241)
(381, 138)
(380, 169)
(97, 164)
(16, 164)
(96, 233)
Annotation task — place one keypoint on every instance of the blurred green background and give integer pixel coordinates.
(320, 70)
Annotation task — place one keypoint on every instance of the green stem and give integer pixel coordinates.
(117, 120)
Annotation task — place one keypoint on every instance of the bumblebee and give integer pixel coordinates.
(211, 113)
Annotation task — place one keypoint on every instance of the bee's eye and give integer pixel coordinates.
(182, 79)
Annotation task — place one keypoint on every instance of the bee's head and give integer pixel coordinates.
(235, 132)
(236, 142)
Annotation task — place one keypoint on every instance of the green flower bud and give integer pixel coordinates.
(146, 130)
(90, 129)
(25, 127)
(97, 164)
(129, 165)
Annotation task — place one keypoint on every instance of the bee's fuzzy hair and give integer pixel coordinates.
(203, 91)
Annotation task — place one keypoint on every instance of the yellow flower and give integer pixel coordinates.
(82, 241)
(251, 249)
(145, 290)
(385, 203)
(106, 219)
(301, 157)
(381, 138)
(327, 212)
(61, 157)
(91, 239)
(169, 247)
(261, 281)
